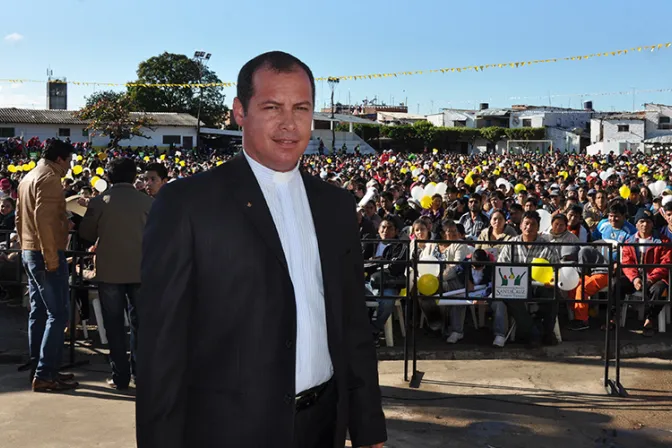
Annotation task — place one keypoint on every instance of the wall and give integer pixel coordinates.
(349, 138)
(653, 113)
(564, 140)
(45, 131)
(612, 140)
(560, 119)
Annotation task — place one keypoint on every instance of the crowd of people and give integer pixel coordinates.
(477, 200)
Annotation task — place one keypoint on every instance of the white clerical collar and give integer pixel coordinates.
(267, 175)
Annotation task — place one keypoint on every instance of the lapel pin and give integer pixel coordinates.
(249, 204)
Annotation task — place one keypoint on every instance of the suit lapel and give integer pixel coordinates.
(249, 197)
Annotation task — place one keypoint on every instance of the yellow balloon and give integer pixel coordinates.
(542, 274)
(26, 167)
(624, 191)
(77, 169)
(402, 171)
(19, 168)
(527, 165)
(94, 180)
(146, 159)
(182, 163)
(435, 164)
(433, 184)
(79, 158)
(485, 163)
(328, 160)
(447, 166)
(368, 166)
(32, 164)
(219, 162)
(162, 157)
(11, 169)
(102, 155)
(428, 285)
(426, 202)
(100, 171)
(519, 187)
(596, 165)
(469, 180)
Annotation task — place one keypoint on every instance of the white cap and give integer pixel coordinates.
(666, 200)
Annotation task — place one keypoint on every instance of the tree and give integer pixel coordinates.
(425, 131)
(170, 68)
(110, 95)
(113, 118)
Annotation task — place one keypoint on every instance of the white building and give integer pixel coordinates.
(398, 118)
(167, 128)
(617, 132)
(453, 118)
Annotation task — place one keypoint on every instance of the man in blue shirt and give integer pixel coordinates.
(615, 226)
(666, 212)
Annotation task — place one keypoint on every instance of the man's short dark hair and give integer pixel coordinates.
(121, 171)
(618, 208)
(516, 207)
(160, 170)
(560, 217)
(532, 200)
(277, 61)
(576, 209)
(532, 215)
(387, 195)
(668, 207)
(57, 148)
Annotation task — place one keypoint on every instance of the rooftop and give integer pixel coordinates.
(33, 116)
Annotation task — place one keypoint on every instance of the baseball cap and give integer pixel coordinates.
(5, 184)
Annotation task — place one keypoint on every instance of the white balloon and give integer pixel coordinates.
(546, 220)
(604, 175)
(430, 190)
(568, 278)
(657, 188)
(101, 185)
(441, 188)
(370, 193)
(417, 192)
(432, 269)
(593, 174)
(416, 172)
(501, 181)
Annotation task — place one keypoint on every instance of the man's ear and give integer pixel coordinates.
(238, 112)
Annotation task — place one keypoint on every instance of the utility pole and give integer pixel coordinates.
(332, 83)
(201, 58)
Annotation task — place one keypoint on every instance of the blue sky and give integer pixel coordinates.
(103, 41)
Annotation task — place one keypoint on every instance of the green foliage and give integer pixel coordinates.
(109, 95)
(425, 131)
(493, 134)
(526, 133)
(112, 118)
(170, 68)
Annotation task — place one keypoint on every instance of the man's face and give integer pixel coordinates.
(436, 203)
(5, 208)
(387, 231)
(600, 200)
(616, 220)
(515, 216)
(522, 197)
(496, 203)
(385, 203)
(574, 219)
(582, 195)
(369, 210)
(530, 207)
(530, 228)
(154, 183)
(64, 163)
(668, 217)
(558, 226)
(645, 227)
(474, 205)
(277, 123)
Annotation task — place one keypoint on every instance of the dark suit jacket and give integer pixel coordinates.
(216, 356)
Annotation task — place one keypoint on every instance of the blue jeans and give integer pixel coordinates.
(385, 307)
(49, 305)
(115, 299)
(457, 315)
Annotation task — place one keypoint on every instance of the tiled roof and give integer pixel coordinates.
(31, 116)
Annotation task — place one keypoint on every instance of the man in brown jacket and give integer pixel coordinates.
(115, 221)
(42, 227)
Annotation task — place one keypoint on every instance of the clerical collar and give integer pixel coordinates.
(267, 175)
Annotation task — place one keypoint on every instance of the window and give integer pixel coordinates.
(64, 132)
(460, 123)
(7, 133)
(527, 122)
(85, 132)
(488, 123)
(172, 140)
(623, 128)
(664, 122)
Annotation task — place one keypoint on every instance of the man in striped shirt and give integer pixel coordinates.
(525, 253)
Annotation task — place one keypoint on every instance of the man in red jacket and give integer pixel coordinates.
(656, 278)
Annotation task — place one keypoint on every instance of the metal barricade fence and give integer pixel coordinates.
(76, 260)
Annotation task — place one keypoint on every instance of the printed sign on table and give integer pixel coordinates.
(511, 282)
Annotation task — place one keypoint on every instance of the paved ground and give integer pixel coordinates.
(487, 404)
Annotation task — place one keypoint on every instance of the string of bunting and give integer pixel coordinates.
(474, 68)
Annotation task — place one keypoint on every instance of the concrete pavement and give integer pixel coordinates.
(487, 403)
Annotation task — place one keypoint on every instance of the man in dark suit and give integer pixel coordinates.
(254, 327)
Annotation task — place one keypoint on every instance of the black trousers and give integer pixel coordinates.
(653, 292)
(315, 427)
(548, 311)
